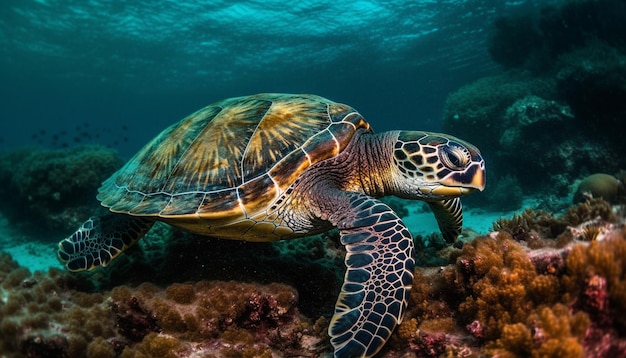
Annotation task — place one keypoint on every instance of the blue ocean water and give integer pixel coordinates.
(117, 72)
(538, 89)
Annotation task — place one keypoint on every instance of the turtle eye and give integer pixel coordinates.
(454, 156)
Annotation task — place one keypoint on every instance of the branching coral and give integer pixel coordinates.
(589, 210)
(596, 273)
(501, 271)
(535, 226)
(549, 332)
(502, 297)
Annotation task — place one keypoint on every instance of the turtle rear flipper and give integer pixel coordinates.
(101, 239)
(375, 292)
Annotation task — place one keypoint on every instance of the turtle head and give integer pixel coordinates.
(434, 166)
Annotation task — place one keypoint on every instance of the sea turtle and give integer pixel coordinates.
(279, 166)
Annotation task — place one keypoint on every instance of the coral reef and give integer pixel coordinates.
(540, 284)
(40, 317)
(533, 120)
(290, 262)
(557, 108)
(51, 315)
(536, 287)
(591, 79)
(535, 41)
(55, 188)
(476, 110)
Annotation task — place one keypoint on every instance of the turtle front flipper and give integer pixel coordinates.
(380, 263)
(101, 239)
(449, 215)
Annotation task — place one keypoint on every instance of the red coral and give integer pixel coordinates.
(261, 308)
(600, 344)
(475, 329)
(426, 344)
(133, 321)
(549, 261)
(594, 299)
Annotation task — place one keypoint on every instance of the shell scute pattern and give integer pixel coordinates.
(230, 160)
(210, 160)
(153, 203)
(183, 203)
(152, 169)
(221, 203)
(283, 129)
(258, 192)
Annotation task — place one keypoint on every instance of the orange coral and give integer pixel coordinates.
(600, 260)
(407, 329)
(501, 272)
(509, 305)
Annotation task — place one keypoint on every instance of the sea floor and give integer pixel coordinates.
(39, 254)
(531, 277)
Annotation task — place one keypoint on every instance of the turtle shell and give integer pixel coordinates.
(232, 159)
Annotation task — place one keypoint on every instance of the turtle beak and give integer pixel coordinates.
(460, 184)
(472, 178)
(479, 180)
(449, 191)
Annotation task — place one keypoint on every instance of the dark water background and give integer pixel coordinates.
(118, 72)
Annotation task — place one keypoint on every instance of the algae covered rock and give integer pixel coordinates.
(55, 314)
(53, 190)
(592, 79)
(557, 108)
(477, 109)
(600, 185)
(531, 120)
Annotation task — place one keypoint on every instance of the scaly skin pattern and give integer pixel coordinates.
(343, 191)
(238, 169)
